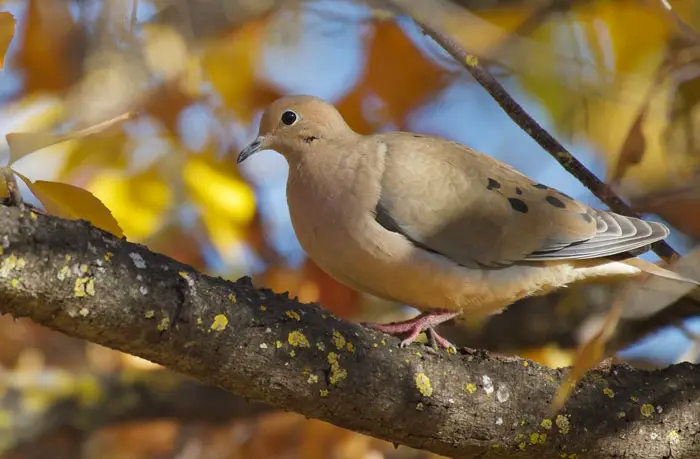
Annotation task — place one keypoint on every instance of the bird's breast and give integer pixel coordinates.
(329, 210)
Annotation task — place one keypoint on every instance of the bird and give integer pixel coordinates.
(429, 222)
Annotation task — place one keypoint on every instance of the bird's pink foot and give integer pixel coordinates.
(423, 322)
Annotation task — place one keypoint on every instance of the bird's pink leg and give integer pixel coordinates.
(423, 322)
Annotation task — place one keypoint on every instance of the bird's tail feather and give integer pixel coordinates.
(659, 271)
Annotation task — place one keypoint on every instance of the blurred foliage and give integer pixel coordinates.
(125, 113)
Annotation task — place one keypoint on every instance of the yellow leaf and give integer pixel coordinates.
(635, 49)
(222, 234)
(23, 143)
(551, 355)
(546, 84)
(165, 51)
(139, 202)
(230, 65)
(630, 87)
(610, 122)
(74, 203)
(606, 80)
(7, 32)
(226, 203)
(109, 150)
(475, 33)
(588, 355)
(508, 17)
(618, 100)
(217, 188)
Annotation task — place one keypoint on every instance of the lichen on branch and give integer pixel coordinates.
(298, 357)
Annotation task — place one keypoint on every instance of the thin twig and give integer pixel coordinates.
(539, 134)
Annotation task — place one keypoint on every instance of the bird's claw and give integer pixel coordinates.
(423, 322)
(436, 340)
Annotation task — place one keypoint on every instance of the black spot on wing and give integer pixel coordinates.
(518, 205)
(555, 202)
(540, 186)
(518, 190)
(493, 185)
(309, 139)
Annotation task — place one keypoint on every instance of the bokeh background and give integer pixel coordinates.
(617, 82)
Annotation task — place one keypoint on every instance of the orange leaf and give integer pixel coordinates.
(52, 47)
(399, 73)
(334, 296)
(181, 244)
(7, 31)
(351, 107)
(678, 205)
(242, 51)
(74, 203)
(167, 103)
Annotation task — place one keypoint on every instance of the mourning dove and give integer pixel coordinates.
(431, 223)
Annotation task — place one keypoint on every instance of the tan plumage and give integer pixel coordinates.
(432, 223)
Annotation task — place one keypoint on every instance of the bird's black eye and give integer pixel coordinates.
(289, 117)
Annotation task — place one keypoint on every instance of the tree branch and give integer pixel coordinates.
(81, 281)
(87, 401)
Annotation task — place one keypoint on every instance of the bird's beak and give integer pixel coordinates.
(254, 147)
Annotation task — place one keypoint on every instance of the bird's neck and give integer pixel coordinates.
(317, 175)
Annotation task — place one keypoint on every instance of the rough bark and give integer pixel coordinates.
(81, 281)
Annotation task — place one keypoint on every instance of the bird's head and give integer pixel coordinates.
(292, 124)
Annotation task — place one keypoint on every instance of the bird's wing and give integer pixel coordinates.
(478, 211)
